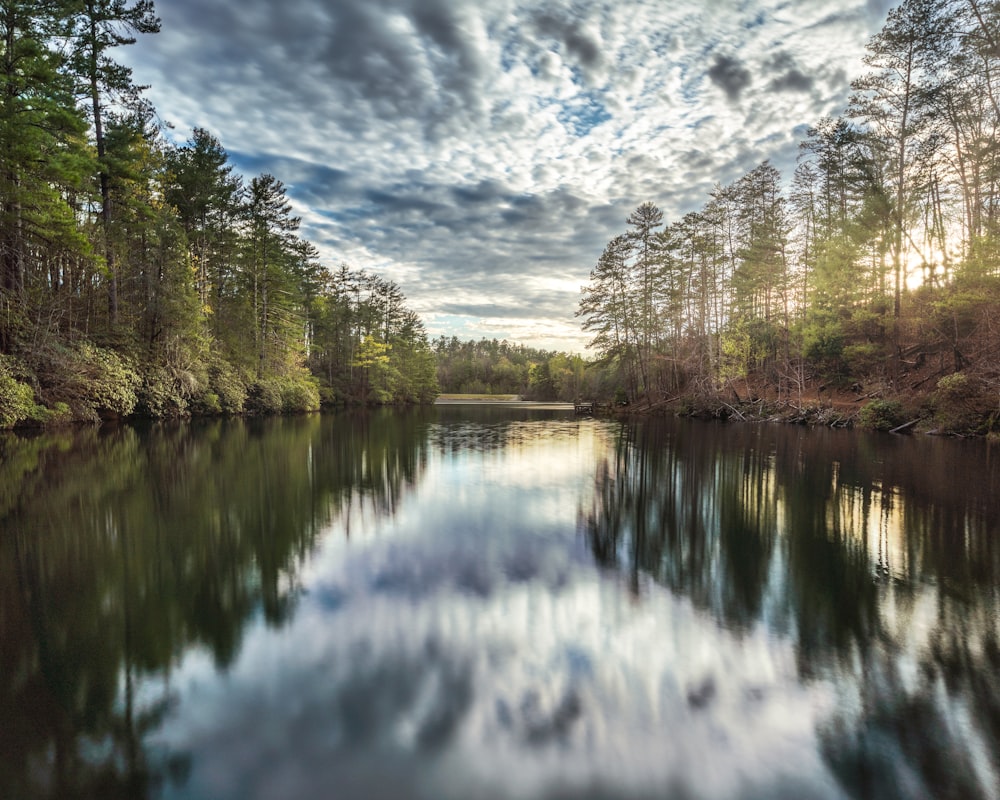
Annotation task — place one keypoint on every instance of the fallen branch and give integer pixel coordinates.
(905, 426)
(737, 413)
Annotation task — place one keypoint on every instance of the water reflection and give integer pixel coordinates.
(127, 548)
(876, 557)
(497, 603)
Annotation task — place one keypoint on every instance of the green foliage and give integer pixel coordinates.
(955, 388)
(823, 344)
(747, 344)
(961, 404)
(92, 381)
(881, 415)
(264, 397)
(283, 395)
(499, 367)
(863, 359)
(163, 393)
(58, 414)
(226, 384)
(17, 400)
(300, 394)
(112, 382)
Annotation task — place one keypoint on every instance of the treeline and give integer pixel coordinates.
(137, 276)
(499, 367)
(882, 251)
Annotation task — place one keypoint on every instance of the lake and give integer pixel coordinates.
(497, 602)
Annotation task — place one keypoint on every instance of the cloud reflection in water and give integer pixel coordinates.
(469, 647)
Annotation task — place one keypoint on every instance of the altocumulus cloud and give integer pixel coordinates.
(482, 154)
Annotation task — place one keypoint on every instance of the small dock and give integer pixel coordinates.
(583, 407)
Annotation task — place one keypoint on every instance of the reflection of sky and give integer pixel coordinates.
(467, 647)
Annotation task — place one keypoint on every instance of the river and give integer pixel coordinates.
(497, 602)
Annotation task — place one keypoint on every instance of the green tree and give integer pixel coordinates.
(270, 258)
(102, 25)
(201, 186)
(43, 165)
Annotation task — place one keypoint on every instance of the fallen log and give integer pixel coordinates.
(737, 413)
(906, 426)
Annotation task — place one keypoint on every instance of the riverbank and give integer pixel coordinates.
(926, 402)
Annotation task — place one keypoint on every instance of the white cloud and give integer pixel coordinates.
(387, 119)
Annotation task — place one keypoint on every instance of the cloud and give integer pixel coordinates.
(730, 75)
(790, 77)
(448, 144)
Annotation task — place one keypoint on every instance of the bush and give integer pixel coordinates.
(823, 346)
(110, 382)
(265, 397)
(881, 415)
(17, 399)
(227, 385)
(862, 359)
(90, 380)
(300, 395)
(286, 395)
(59, 414)
(206, 404)
(162, 394)
(960, 404)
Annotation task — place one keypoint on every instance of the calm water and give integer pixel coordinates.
(492, 602)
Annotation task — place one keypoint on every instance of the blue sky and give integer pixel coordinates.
(481, 153)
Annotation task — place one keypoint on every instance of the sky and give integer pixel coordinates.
(481, 153)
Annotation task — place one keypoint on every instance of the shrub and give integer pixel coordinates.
(59, 414)
(862, 359)
(207, 404)
(955, 388)
(265, 397)
(823, 346)
(111, 382)
(225, 382)
(300, 395)
(881, 415)
(162, 394)
(960, 404)
(288, 395)
(17, 399)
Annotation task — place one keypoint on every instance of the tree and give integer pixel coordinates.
(102, 25)
(270, 255)
(43, 164)
(643, 224)
(201, 186)
(608, 309)
(888, 102)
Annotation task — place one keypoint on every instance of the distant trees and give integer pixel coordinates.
(489, 366)
(366, 345)
(888, 232)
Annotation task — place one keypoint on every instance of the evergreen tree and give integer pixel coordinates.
(100, 26)
(43, 165)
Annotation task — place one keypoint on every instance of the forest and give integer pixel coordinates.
(141, 277)
(501, 368)
(873, 277)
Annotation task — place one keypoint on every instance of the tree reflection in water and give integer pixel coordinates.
(121, 549)
(879, 557)
(206, 609)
